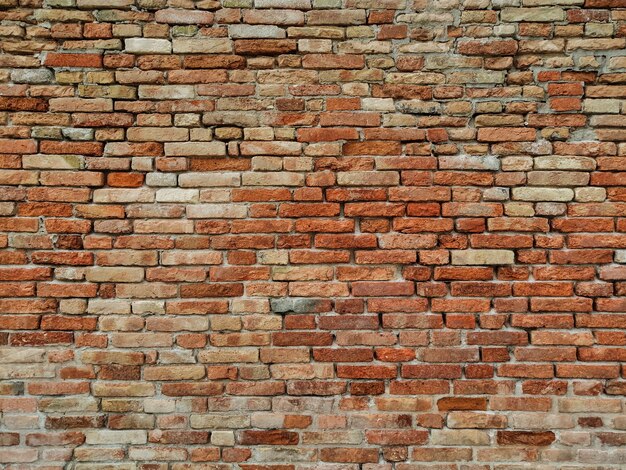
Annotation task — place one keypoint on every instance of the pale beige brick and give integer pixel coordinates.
(196, 149)
(367, 178)
(108, 437)
(543, 194)
(539, 14)
(157, 134)
(203, 179)
(177, 195)
(563, 162)
(166, 92)
(589, 405)
(219, 421)
(223, 438)
(251, 148)
(482, 257)
(590, 194)
(147, 46)
(558, 178)
(124, 389)
(227, 355)
(114, 274)
(171, 372)
(21, 355)
(217, 211)
(26, 371)
(202, 45)
(464, 437)
(273, 179)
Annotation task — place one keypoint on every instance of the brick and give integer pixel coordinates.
(333, 61)
(270, 148)
(528, 438)
(326, 135)
(479, 257)
(543, 194)
(165, 92)
(542, 14)
(368, 178)
(335, 17)
(464, 437)
(54, 59)
(348, 455)
(372, 148)
(510, 134)
(488, 48)
(268, 437)
(157, 134)
(203, 46)
(245, 31)
(199, 149)
(147, 46)
(265, 46)
(174, 373)
(115, 437)
(183, 16)
(275, 16)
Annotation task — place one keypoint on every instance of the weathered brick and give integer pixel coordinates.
(204, 46)
(479, 257)
(148, 46)
(183, 16)
(199, 149)
(543, 14)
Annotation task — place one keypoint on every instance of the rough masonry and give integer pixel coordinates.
(312, 234)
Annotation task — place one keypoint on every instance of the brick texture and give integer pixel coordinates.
(312, 234)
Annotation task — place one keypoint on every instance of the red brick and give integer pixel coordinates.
(54, 59)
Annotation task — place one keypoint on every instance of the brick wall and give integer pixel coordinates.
(312, 234)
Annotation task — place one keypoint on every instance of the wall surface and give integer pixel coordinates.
(312, 234)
